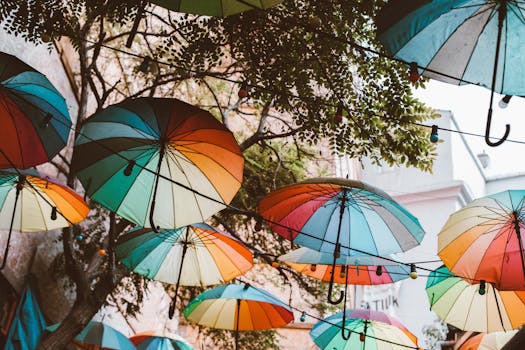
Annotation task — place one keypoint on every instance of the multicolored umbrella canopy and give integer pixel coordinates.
(474, 307)
(238, 307)
(342, 217)
(363, 270)
(159, 341)
(216, 7)
(30, 202)
(205, 255)
(144, 151)
(458, 41)
(322, 212)
(34, 116)
(488, 341)
(367, 330)
(195, 255)
(101, 335)
(483, 240)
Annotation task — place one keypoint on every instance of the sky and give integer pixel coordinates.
(469, 105)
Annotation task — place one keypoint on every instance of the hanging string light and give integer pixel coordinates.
(434, 134)
(482, 287)
(413, 272)
(303, 316)
(414, 74)
(379, 270)
(338, 116)
(243, 90)
(129, 168)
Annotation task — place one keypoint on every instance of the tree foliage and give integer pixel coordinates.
(299, 61)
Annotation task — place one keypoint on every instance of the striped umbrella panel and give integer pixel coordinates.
(218, 308)
(216, 7)
(488, 341)
(458, 39)
(308, 214)
(33, 114)
(361, 275)
(212, 257)
(382, 332)
(36, 201)
(481, 242)
(460, 304)
(201, 168)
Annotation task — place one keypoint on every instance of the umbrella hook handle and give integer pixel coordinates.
(331, 284)
(487, 132)
(502, 12)
(343, 329)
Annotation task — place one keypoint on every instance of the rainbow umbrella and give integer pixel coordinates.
(195, 255)
(367, 329)
(30, 202)
(488, 341)
(483, 240)
(458, 41)
(101, 335)
(474, 307)
(159, 341)
(342, 217)
(362, 270)
(238, 307)
(146, 150)
(34, 116)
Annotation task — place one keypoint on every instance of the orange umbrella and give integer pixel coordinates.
(32, 203)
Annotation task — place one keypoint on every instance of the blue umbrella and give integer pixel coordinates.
(455, 40)
(28, 324)
(101, 335)
(160, 341)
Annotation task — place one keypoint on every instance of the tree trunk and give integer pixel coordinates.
(85, 307)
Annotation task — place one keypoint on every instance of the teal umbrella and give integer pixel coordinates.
(28, 323)
(101, 335)
(460, 41)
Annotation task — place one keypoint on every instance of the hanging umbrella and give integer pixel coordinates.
(160, 341)
(216, 7)
(455, 41)
(488, 341)
(30, 202)
(474, 307)
(237, 308)
(34, 117)
(142, 151)
(101, 335)
(342, 217)
(367, 330)
(220, 8)
(483, 240)
(195, 255)
(28, 324)
(362, 270)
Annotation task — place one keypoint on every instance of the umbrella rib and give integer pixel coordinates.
(518, 14)
(40, 206)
